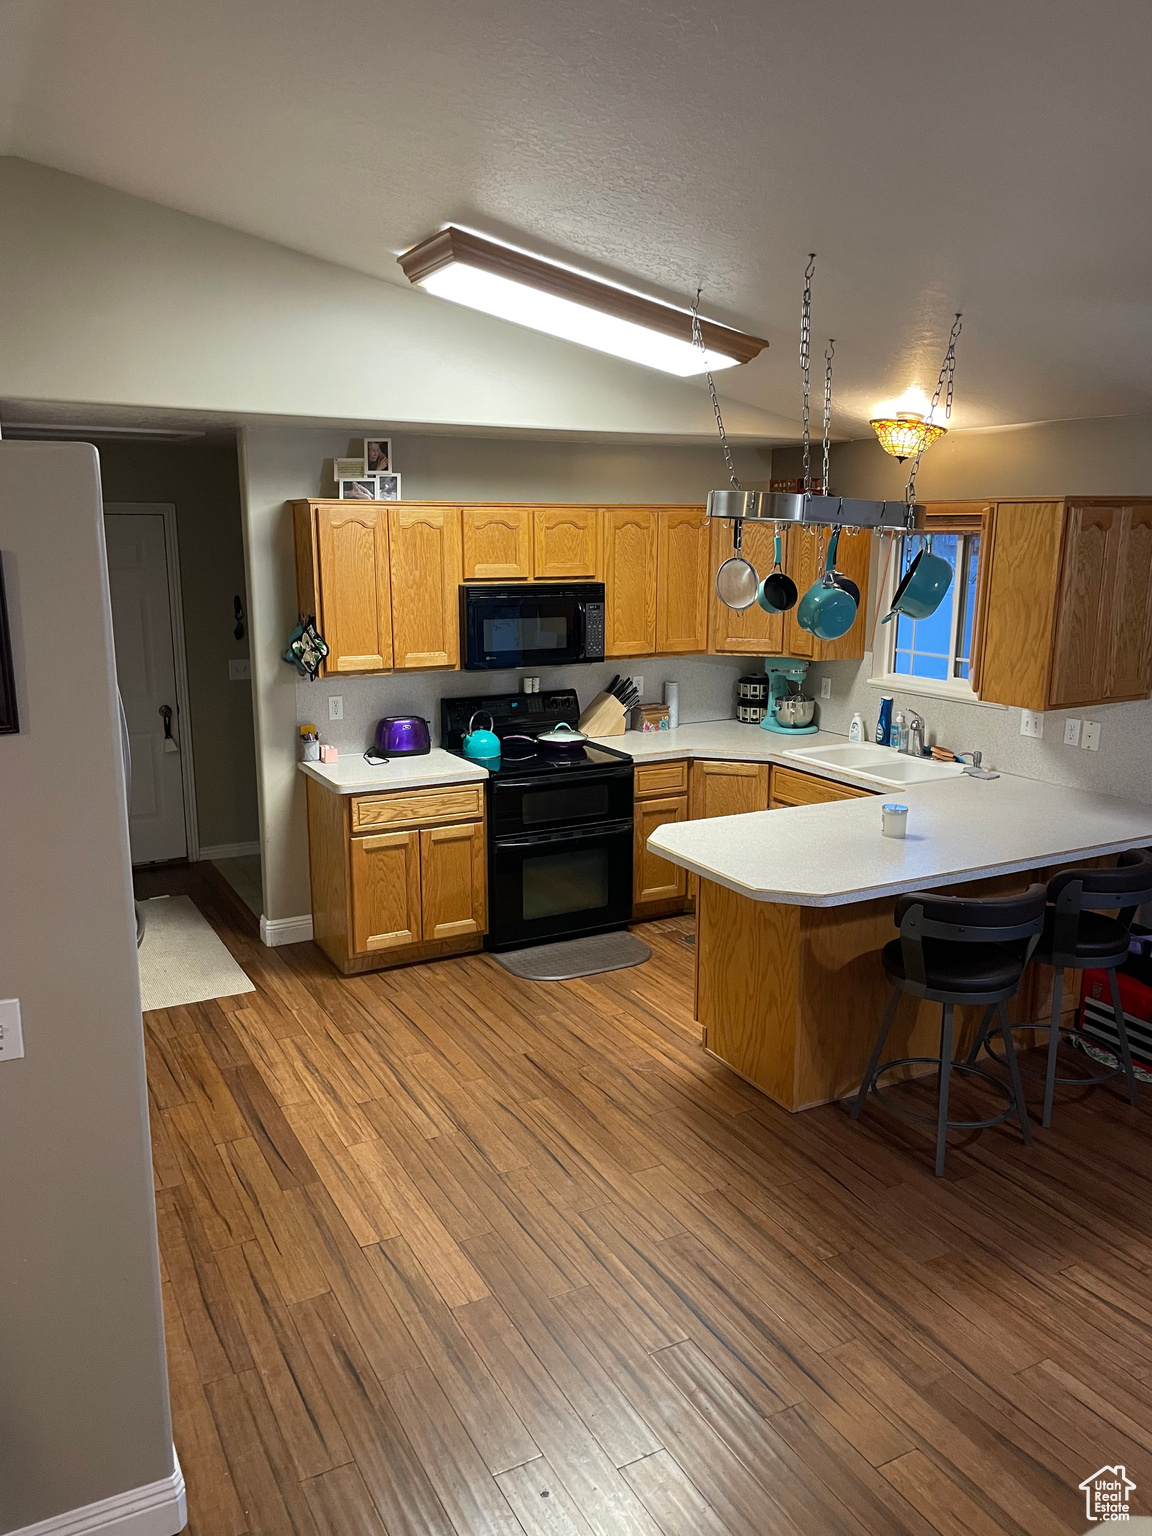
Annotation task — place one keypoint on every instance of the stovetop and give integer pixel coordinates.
(524, 715)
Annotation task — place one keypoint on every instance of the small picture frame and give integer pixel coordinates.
(9, 719)
(388, 488)
(358, 490)
(377, 455)
(348, 469)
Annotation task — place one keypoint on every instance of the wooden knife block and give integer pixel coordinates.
(603, 717)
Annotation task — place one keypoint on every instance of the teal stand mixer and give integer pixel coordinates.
(790, 712)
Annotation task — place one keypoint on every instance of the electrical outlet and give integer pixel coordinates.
(1090, 740)
(639, 681)
(1071, 733)
(11, 1033)
(240, 671)
(825, 687)
(335, 706)
(1031, 723)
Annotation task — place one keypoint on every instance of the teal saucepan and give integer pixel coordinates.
(826, 610)
(777, 592)
(924, 587)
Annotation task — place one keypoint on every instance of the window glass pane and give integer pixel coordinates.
(924, 647)
(967, 598)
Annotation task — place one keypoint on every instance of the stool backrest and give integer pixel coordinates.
(1124, 888)
(968, 920)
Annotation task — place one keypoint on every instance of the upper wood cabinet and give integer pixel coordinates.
(630, 540)
(565, 543)
(751, 631)
(853, 559)
(426, 569)
(803, 548)
(342, 578)
(682, 583)
(497, 543)
(1067, 605)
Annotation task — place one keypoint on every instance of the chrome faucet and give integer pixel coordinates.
(913, 742)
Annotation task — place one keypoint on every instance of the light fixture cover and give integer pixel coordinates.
(545, 296)
(905, 433)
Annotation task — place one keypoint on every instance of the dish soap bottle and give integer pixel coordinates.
(856, 729)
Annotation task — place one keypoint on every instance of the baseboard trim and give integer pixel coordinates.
(228, 850)
(156, 1509)
(285, 930)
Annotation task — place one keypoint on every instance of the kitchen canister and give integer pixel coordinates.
(672, 699)
(895, 820)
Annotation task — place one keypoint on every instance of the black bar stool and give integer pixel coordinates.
(966, 950)
(1078, 936)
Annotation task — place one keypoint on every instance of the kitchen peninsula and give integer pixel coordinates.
(794, 906)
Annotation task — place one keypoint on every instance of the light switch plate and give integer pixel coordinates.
(335, 706)
(825, 687)
(11, 1032)
(1071, 733)
(240, 671)
(1090, 740)
(1031, 723)
(639, 681)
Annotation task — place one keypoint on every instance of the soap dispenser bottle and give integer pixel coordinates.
(856, 730)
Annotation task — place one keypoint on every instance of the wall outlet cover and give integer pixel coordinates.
(11, 1031)
(825, 687)
(240, 671)
(639, 681)
(1090, 740)
(335, 706)
(1071, 733)
(1031, 723)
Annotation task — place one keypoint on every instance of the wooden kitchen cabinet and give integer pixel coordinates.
(751, 632)
(497, 543)
(727, 789)
(1067, 603)
(397, 875)
(803, 550)
(788, 787)
(682, 581)
(565, 543)
(655, 881)
(630, 541)
(342, 578)
(426, 567)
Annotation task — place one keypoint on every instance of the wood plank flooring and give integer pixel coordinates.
(450, 1254)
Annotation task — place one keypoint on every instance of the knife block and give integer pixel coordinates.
(603, 717)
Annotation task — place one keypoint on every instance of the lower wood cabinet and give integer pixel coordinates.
(655, 881)
(397, 876)
(728, 789)
(788, 787)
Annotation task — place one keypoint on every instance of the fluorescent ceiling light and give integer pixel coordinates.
(545, 296)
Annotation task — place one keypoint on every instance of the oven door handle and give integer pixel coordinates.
(577, 835)
(588, 776)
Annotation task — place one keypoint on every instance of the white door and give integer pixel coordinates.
(146, 671)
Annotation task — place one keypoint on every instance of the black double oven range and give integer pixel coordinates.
(559, 828)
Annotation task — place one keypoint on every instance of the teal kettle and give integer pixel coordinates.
(482, 747)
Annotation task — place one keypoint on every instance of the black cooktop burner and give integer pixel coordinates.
(518, 718)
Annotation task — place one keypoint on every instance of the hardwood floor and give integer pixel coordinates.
(447, 1252)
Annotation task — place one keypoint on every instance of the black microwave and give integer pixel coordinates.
(531, 624)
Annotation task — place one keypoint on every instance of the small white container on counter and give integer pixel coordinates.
(672, 699)
(895, 820)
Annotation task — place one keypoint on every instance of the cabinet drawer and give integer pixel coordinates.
(661, 779)
(791, 788)
(421, 807)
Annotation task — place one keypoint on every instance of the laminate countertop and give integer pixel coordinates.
(733, 741)
(958, 829)
(353, 775)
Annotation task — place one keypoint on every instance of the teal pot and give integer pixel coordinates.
(924, 587)
(827, 610)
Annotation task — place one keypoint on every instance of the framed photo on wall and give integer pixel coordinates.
(358, 490)
(377, 455)
(9, 721)
(388, 488)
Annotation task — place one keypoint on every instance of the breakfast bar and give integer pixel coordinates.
(795, 905)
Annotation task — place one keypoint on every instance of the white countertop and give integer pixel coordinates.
(729, 740)
(352, 775)
(959, 829)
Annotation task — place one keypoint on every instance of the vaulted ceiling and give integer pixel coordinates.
(981, 156)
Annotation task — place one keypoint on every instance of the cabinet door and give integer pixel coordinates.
(1130, 644)
(791, 788)
(453, 881)
(682, 581)
(1080, 658)
(352, 560)
(1022, 586)
(804, 548)
(497, 543)
(426, 565)
(385, 891)
(728, 789)
(751, 632)
(654, 878)
(630, 540)
(566, 543)
(853, 559)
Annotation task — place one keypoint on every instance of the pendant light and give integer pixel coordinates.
(905, 434)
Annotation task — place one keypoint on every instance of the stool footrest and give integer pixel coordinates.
(957, 1066)
(1083, 1080)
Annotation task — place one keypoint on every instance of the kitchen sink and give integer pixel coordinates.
(882, 765)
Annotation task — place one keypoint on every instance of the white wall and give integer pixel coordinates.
(278, 465)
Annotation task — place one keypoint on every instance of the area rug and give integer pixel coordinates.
(576, 957)
(181, 959)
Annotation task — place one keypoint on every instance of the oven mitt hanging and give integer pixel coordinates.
(307, 647)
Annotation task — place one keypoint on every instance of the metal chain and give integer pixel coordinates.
(699, 340)
(828, 356)
(806, 362)
(943, 386)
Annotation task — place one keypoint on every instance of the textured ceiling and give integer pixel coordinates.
(985, 156)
